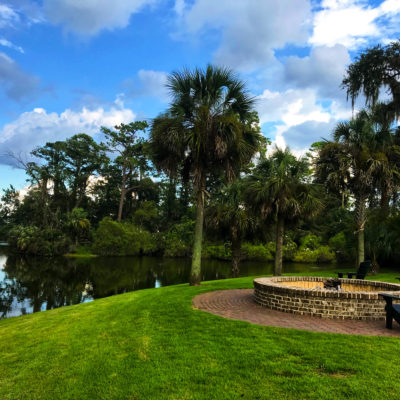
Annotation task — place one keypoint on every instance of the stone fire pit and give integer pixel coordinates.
(306, 295)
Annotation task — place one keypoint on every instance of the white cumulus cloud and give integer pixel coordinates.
(248, 31)
(297, 117)
(35, 128)
(89, 17)
(353, 22)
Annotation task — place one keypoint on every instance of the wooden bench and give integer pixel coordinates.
(361, 273)
(392, 310)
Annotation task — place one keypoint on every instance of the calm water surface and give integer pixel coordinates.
(31, 284)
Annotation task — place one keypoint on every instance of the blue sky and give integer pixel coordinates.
(70, 66)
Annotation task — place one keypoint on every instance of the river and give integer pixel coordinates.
(32, 284)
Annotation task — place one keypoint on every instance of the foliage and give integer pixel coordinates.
(178, 241)
(208, 130)
(146, 216)
(278, 189)
(258, 252)
(375, 68)
(78, 224)
(33, 240)
(218, 252)
(113, 238)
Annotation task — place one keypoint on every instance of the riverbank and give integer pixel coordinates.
(152, 344)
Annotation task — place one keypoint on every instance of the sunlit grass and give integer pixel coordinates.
(151, 344)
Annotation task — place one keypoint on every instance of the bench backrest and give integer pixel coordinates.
(363, 269)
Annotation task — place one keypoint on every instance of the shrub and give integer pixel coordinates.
(178, 242)
(33, 240)
(343, 249)
(311, 251)
(289, 249)
(122, 239)
(219, 252)
(257, 252)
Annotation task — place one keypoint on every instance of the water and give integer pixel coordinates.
(32, 284)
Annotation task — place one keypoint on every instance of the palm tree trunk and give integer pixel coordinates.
(236, 250)
(360, 224)
(280, 225)
(198, 239)
(385, 198)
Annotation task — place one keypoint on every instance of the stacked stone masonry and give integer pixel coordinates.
(358, 299)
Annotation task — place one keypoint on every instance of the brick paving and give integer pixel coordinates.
(239, 304)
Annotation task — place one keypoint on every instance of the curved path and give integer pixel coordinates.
(238, 304)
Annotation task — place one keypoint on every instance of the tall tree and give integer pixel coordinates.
(376, 68)
(131, 158)
(207, 128)
(360, 145)
(83, 158)
(278, 188)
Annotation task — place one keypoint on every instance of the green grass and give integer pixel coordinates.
(151, 344)
(81, 252)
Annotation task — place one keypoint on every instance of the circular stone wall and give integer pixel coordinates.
(305, 295)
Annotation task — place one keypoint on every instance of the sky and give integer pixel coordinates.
(72, 66)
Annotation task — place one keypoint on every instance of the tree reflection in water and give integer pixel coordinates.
(31, 284)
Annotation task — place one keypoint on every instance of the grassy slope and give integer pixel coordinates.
(151, 344)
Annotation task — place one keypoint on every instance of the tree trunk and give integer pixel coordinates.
(198, 239)
(385, 198)
(123, 194)
(279, 246)
(236, 250)
(360, 224)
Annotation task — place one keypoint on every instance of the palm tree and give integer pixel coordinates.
(207, 128)
(230, 213)
(364, 147)
(278, 187)
(376, 68)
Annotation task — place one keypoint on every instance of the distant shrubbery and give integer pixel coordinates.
(33, 240)
(122, 239)
(311, 251)
(114, 238)
(178, 242)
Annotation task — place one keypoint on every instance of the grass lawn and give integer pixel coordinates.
(151, 344)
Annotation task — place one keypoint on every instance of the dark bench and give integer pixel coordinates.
(392, 310)
(361, 273)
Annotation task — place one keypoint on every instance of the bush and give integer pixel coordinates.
(122, 239)
(343, 249)
(257, 252)
(311, 251)
(37, 241)
(219, 252)
(289, 249)
(178, 242)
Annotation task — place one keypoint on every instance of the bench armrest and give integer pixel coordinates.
(389, 296)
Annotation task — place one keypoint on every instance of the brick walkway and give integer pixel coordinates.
(238, 304)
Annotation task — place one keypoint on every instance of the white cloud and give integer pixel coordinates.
(36, 127)
(353, 22)
(89, 17)
(7, 43)
(292, 107)
(16, 84)
(297, 118)
(147, 83)
(323, 69)
(248, 31)
(8, 17)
